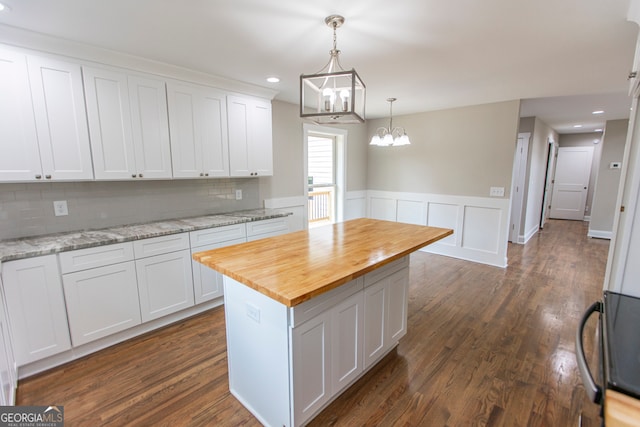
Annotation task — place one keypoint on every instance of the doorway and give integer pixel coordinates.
(325, 172)
(571, 183)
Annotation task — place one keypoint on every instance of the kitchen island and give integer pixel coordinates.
(308, 313)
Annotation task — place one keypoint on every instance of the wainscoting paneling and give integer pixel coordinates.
(295, 205)
(355, 205)
(480, 224)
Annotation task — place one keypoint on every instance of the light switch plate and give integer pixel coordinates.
(496, 192)
(238, 194)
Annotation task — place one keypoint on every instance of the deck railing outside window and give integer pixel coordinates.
(320, 205)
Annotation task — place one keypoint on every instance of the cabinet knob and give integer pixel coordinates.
(38, 176)
(201, 174)
(48, 176)
(140, 175)
(133, 176)
(206, 174)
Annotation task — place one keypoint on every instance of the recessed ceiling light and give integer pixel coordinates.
(598, 112)
(4, 7)
(577, 126)
(273, 79)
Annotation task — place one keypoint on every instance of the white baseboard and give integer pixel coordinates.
(600, 234)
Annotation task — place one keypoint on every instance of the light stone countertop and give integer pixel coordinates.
(27, 247)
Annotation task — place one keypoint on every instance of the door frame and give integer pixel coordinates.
(518, 179)
(340, 136)
(552, 155)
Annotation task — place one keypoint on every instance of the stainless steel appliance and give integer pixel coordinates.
(619, 349)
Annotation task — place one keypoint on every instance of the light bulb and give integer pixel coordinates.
(344, 95)
(329, 97)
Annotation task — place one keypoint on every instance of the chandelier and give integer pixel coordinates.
(391, 136)
(332, 95)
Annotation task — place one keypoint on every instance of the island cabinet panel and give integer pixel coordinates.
(258, 353)
(36, 307)
(385, 315)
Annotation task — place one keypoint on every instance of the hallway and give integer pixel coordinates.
(485, 347)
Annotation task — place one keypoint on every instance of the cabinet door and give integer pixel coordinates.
(311, 368)
(101, 301)
(208, 283)
(398, 287)
(150, 127)
(238, 111)
(347, 329)
(250, 137)
(19, 156)
(261, 148)
(215, 142)
(375, 301)
(58, 103)
(36, 307)
(186, 138)
(165, 284)
(109, 116)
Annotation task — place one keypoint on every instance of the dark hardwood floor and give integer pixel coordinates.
(485, 346)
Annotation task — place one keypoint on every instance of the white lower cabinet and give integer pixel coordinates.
(36, 307)
(333, 339)
(208, 283)
(165, 281)
(8, 372)
(385, 314)
(326, 356)
(100, 290)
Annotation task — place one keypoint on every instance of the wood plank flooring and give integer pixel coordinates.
(485, 346)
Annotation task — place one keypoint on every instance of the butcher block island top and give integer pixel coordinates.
(295, 267)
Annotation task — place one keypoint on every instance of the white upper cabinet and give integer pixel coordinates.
(199, 143)
(19, 155)
(43, 126)
(128, 125)
(250, 136)
(61, 120)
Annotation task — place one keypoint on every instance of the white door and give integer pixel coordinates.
(573, 169)
(215, 143)
(517, 188)
(238, 111)
(347, 328)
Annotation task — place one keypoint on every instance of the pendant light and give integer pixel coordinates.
(332, 95)
(391, 136)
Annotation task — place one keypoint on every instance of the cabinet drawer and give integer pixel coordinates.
(99, 256)
(268, 226)
(309, 309)
(215, 235)
(160, 245)
(384, 271)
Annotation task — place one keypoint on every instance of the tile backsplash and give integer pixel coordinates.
(27, 209)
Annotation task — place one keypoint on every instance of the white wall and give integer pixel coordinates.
(604, 198)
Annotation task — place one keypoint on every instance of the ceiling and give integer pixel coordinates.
(430, 54)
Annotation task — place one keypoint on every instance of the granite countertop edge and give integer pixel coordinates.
(28, 247)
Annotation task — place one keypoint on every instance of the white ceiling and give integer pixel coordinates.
(430, 54)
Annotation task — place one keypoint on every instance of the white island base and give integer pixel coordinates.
(288, 363)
